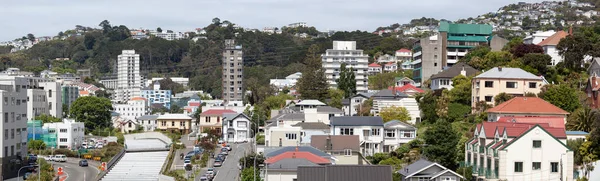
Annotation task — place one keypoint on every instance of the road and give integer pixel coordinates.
(73, 172)
(230, 171)
(189, 146)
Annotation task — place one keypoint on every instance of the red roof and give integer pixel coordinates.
(194, 104)
(554, 39)
(374, 65)
(299, 154)
(527, 105)
(497, 144)
(552, 121)
(406, 87)
(403, 50)
(218, 112)
(390, 63)
(516, 129)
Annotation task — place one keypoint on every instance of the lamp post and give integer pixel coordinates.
(19, 172)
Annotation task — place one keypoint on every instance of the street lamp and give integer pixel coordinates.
(19, 172)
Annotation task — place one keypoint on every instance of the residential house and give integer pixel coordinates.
(527, 107)
(311, 129)
(174, 123)
(386, 59)
(321, 114)
(407, 65)
(549, 44)
(513, 81)
(390, 67)
(552, 121)
(402, 81)
(368, 128)
(397, 133)
(283, 167)
(423, 169)
(574, 135)
(148, 122)
(288, 82)
(388, 98)
(593, 85)
(538, 37)
(344, 148)
(306, 104)
(126, 125)
(374, 68)
(345, 173)
(282, 133)
(353, 106)
(443, 80)
(519, 151)
(407, 89)
(236, 127)
(403, 55)
(211, 119)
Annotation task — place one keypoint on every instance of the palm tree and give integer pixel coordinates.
(582, 119)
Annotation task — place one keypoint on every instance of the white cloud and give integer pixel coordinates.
(42, 17)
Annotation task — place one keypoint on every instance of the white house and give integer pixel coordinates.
(549, 45)
(352, 107)
(148, 122)
(321, 114)
(368, 128)
(311, 129)
(282, 133)
(388, 98)
(390, 67)
(443, 80)
(374, 68)
(538, 37)
(236, 127)
(69, 133)
(519, 151)
(134, 108)
(397, 133)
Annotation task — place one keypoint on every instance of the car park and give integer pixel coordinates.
(83, 163)
(217, 164)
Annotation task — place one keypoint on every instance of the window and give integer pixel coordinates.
(444, 82)
(6, 117)
(536, 165)
(407, 134)
(553, 167)
(63, 130)
(511, 85)
(63, 140)
(390, 133)
(537, 143)
(347, 152)
(375, 132)
(489, 84)
(49, 93)
(346, 131)
(129, 124)
(6, 151)
(488, 98)
(518, 166)
(291, 136)
(12, 133)
(51, 131)
(207, 119)
(172, 123)
(423, 179)
(241, 124)
(532, 85)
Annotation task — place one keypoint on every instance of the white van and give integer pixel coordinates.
(60, 158)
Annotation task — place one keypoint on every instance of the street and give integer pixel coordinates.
(230, 170)
(73, 172)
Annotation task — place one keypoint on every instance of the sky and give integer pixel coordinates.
(47, 18)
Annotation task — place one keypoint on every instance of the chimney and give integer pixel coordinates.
(463, 72)
(499, 68)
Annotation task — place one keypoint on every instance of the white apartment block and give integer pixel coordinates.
(69, 133)
(37, 103)
(110, 83)
(53, 92)
(346, 52)
(128, 75)
(14, 124)
(180, 80)
(134, 108)
(50, 89)
(168, 35)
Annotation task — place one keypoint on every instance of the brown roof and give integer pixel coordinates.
(554, 39)
(455, 71)
(527, 105)
(338, 142)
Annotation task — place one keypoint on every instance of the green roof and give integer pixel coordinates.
(480, 29)
(460, 46)
(468, 38)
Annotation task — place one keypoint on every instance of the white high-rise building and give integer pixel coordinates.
(53, 92)
(128, 76)
(346, 52)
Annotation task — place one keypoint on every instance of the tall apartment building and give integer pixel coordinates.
(233, 75)
(346, 52)
(51, 104)
(434, 54)
(13, 108)
(128, 76)
(53, 97)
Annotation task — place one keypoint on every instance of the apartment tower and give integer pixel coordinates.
(128, 76)
(346, 52)
(233, 74)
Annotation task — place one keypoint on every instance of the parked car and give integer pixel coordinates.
(222, 156)
(83, 163)
(203, 178)
(217, 164)
(219, 158)
(210, 171)
(99, 145)
(221, 141)
(228, 147)
(224, 149)
(187, 162)
(49, 158)
(60, 158)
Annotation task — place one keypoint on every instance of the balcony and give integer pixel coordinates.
(474, 169)
(481, 171)
(491, 175)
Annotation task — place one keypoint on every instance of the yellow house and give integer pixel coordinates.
(175, 123)
(513, 81)
(213, 119)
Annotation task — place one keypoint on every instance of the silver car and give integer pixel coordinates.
(217, 164)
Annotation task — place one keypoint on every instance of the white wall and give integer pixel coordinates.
(54, 97)
(69, 134)
(553, 52)
(14, 132)
(409, 103)
(37, 104)
(281, 176)
(436, 84)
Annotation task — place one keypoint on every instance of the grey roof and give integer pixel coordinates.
(345, 102)
(279, 150)
(290, 164)
(345, 173)
(147, 117)
(357, 121)
(328, 109)
(388, 94)
(287, 117)
(310, 102)
(363, 94)
(306, 125)
(508, 73)
(396, 122)
(455, 71)
(227, 116)
(337, 142)
(414, 167)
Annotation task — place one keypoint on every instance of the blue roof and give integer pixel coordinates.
(576, 132)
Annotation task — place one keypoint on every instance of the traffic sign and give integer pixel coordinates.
(103, 166)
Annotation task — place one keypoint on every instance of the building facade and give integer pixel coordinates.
(369, 130)
(54, 97)
(69, 133)
(346, 52)
(14, 126)
(213, 119)
(236, 127)
(129, 80)
(233, 72)
(69, 95)
(133, 109)
(443, 80)
(513, 81)
(174, 123)
(37, 104)
(156, 95)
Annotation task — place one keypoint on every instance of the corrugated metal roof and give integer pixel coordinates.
(508, 73)
(138, 166)
(328, 109)
(414, 167)
(345, 173)
(290, 164)
(147, 117)
(357, 121)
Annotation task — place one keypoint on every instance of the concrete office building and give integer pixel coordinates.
(13, 98)
(233, 75)
(69, 95)
(438, 52)
(346, 52)
(54, 97)
(128, 76)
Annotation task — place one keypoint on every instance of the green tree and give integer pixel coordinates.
(575, 145)
(523, 49)
(466, 172)
(582, 119)
(588, 156)
(378, 157)
(512, 43)
(442, 102)
(538, 61)
(392, 161)
(479, 51)
(427, 104)
(249, 173)
(313, 84)
(574, 48)
(159, 30)
(47, 118)
(458, 112)
(441, 141)
(31, 37)
(94, 112)
(168, 84)
(501, 98)
(561, 96)
(175, 109)
(36, 145)
(395, 113)
(336, 96)
(461, 93)
(347, 81)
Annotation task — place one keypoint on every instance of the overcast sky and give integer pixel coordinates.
(48, 17)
